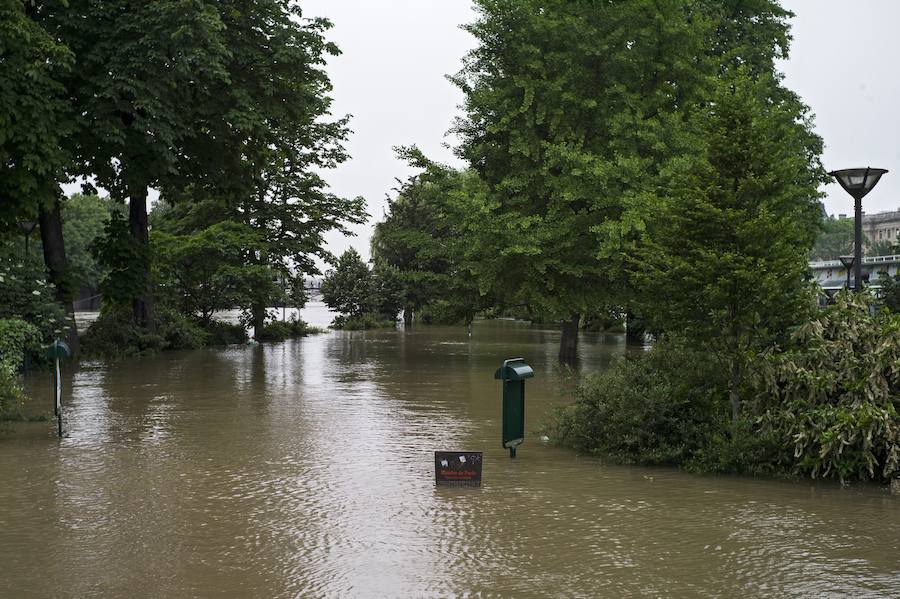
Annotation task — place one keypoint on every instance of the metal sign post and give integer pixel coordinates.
(513, 373)
(58, 350)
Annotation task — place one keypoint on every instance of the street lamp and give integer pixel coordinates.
(27, 227)
(847, 261)
(858, 182)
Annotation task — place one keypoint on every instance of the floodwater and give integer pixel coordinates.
(305, 469)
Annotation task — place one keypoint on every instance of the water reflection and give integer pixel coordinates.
(304, 469)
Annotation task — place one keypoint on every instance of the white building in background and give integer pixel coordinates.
(882, 226)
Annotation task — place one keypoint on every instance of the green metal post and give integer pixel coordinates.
(513, 373)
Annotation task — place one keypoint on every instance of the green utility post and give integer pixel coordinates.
(513, 374)
(58, 350)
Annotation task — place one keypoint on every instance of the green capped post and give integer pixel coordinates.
(513, 374)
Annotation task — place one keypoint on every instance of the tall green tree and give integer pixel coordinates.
(263, 140)
(571, 108)
(210, 270)
(142, 69)
(574, 109)
(724, 264)
(36, 125)
(423, 237)
(348, 288)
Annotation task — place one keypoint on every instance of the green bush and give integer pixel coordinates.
(17, 338)
(224, 333)
(114, 334)
(741, 447)
(654, 407)
(25, 293)
(362, 322)
(278, 330)
(833, 396)
(179, 331)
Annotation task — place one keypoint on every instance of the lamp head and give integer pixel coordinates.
(858, 181)
(27, 226)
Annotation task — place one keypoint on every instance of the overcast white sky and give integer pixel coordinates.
(396, 53)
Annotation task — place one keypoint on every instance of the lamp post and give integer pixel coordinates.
(847, 261)
(858, 182)
(27, 227)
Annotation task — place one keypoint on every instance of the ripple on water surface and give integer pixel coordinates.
(305, 469)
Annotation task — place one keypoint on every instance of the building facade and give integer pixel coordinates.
(881, 226)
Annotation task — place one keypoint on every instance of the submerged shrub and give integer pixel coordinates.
(741, 447)
(653, 407)
(362, 322)
(225, 333)
(17, 338)
(114, 334)
(833, 396)
(279, 330)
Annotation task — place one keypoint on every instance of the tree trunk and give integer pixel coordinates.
(58, 265)
(634, 329)
(407, 317)
(258, 312)
(734, 391)
(142, 305)
(568, 343)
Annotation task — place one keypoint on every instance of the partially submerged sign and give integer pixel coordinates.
(457, 468)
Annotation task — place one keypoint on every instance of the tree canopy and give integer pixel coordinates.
(574, 114)
(424, 237)
(724, 261)
(835, 239)
(35, 116)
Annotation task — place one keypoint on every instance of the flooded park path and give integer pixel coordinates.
(305, 469)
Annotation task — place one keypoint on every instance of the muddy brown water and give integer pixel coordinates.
(304, 469)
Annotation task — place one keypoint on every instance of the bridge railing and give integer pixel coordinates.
(866, 260)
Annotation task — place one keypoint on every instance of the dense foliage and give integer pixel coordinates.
(833, 395)
(208, 271)
(225, 103)
(364, 298)
(35, 117)
(835, 239)
(724, 262)
(654, 407)
(84, 221)
(827, 405)
(572, 108)
(422, 238)
(17, 339)
(25, 293)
